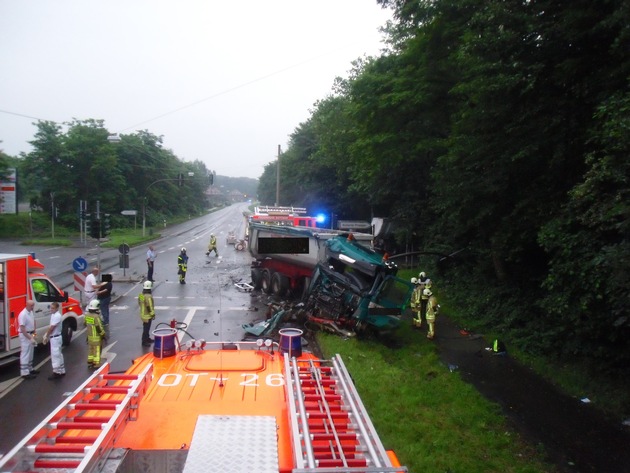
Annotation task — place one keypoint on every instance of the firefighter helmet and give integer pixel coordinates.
(422, 275)
(414, 281)
(427, 292)
(94, 306)
(147, 285)
(184, 250)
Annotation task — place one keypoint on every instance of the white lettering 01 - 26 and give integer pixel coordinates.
(168, 380)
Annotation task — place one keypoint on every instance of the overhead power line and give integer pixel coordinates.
(25, 116)
(232, 89)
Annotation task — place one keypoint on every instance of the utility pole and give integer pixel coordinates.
(82, 221)
(98, 240)
(52, 211)
(278, 179)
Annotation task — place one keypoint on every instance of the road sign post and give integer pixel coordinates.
(123, 259)
(131, 213)
(79, 283)
(123, 262)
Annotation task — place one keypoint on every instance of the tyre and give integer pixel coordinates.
(66, 332)
(240, 246)
(265, 282)
(279, 284)
(256, 278)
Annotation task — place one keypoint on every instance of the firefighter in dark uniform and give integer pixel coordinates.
(182, 266)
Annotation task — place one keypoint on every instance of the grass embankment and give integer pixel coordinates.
(578, 377)
(434, 421)
(36, 229)
(114, 240)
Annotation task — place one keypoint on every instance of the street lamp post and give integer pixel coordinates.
(144, 212)
(52, 212)
(278, 178)
(144, 200)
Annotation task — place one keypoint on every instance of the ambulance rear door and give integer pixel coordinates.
(13, 296)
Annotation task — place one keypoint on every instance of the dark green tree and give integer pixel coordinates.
(4, 165)
(589, 244)
(47, 165)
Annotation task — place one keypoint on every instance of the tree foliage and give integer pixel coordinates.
(4, 166)
(497, 130)
(75, 162)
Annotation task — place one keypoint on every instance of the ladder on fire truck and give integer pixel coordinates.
(331, 430)
(80, 433)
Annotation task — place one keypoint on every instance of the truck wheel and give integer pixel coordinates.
(256, 278)
(265, 282)
(279, 284)
(240, 246)
(66, 333)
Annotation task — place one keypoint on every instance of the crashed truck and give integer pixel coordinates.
(344, 285)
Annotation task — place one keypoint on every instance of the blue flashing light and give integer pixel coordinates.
(320, 218)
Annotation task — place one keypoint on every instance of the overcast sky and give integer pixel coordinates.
(224, 82)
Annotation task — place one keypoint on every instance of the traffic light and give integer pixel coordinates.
(95, 229)
(88, 223)
(106, 224)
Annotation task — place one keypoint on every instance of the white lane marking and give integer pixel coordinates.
(7, 386)
(110, 354)
(187, 320)
(133, 288)
(187, 307)
(180, 307)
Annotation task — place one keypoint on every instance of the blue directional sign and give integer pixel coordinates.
(79, 264)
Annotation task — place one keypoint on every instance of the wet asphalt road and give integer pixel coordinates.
(210, 303)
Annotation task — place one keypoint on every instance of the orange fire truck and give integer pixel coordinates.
(212, 407)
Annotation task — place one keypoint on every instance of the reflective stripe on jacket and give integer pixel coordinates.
(95, 330)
